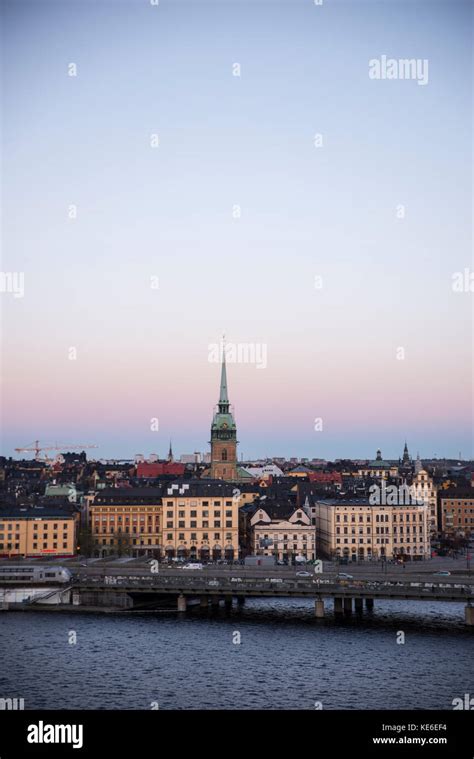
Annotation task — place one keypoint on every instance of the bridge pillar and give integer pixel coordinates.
(76, 598)
(203, 602)
(240, 600)
(319, 608)
(338, 606)
(369, 604)
(347, 605)
(469, 615)
(359, 605)
(215, 602)
(181, 603)
(228, 602)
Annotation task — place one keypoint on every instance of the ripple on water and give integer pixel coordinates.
(286, 659)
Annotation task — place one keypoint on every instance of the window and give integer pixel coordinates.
(217, 523)
(169, 514)
(224, 454)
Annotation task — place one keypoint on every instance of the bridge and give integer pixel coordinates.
(212, 588)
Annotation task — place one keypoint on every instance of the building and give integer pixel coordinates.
(36, 531)
(424, 489)
(223, 435)
(456, 511)
(357, 529)
(378, 468)
(201, 520)
(151, 470)
(279, 528)
(127, 521)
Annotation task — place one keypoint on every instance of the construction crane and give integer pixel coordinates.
(36, 448)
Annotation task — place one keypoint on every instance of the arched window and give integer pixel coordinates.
(224, 454)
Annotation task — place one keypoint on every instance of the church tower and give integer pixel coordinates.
(223, 434)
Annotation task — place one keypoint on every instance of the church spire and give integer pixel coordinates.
(223, 396)
(170, 453)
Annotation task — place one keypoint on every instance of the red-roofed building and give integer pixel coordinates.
(328, 478)
(145, 469)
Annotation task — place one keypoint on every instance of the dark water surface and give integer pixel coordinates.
(286, 658)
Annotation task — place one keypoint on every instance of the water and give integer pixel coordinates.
(286, 658)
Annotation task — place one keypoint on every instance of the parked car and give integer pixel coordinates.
(303, 574)
(193, 565)
(345, 576)
(443, 573)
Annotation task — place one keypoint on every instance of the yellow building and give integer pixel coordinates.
(127, 521)
(201, 520)
(357, 529)
(29, 531)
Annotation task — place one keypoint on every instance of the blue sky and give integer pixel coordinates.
(306, 212)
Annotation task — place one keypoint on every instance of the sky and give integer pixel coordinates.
(176, 189)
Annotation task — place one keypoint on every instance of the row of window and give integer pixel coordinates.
(193, 524)
(46, 525)
(381, 517)
(379, 540)
(170, 504)
(204, 514)
(16, 546)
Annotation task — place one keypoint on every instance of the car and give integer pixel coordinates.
(442, 573)
(192, 565)
(345, 576)
(303, 574)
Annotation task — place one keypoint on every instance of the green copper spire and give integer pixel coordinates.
(223, 397)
